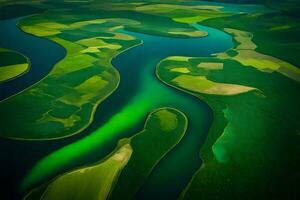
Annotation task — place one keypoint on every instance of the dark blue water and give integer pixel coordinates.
(42, 53)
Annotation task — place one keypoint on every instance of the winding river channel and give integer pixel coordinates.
(139, 93)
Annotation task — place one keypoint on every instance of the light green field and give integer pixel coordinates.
(182, 70)
(211, 65)
(12, 71)
(200, 84)
(187, 77)
(12, 64)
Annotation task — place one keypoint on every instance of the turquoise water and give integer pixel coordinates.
(124, 113)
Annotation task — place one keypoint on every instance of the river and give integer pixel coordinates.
(139, 92)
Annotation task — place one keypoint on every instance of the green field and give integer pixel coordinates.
(12, 65)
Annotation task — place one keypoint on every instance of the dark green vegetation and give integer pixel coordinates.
(288, 7)
(249, 147)
(12, 64)
(17, 10)
(163, 129)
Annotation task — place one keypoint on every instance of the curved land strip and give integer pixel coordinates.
(163, 129)
(187, 74)
(12, 65)
(252, 142)
(68, 96)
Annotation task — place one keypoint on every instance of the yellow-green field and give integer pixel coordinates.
(15, 66)
(200, 84)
